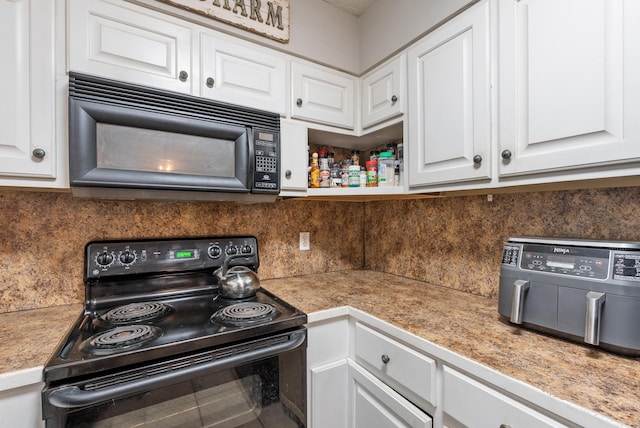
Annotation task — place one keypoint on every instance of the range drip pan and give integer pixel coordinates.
(244, 313)
(134, 313)
(121, 339)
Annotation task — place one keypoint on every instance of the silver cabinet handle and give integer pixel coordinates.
(385, 358)
(520, 286)
(394, 99)
(506, 154)
(477, 159)
(595, 300)
(210, 82)
(38, 153)
(299, 102)
(287, 174)
(183, 76)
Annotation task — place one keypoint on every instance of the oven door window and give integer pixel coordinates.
(248, 396)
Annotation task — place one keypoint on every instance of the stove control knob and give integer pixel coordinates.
(247, 249)
(232, 250)
(127, 257)
(214, 252)
(104, 259)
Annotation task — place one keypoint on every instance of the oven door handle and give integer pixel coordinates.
(68, 397)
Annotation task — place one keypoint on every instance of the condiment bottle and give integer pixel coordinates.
(325, 173)
(386, 169)
(314, 182)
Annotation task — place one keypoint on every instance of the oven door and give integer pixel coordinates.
(256, 384)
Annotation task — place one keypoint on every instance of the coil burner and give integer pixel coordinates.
(245, 313)
(121, 339)
(136, 313)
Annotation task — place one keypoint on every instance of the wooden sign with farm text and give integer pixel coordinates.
(267, 17)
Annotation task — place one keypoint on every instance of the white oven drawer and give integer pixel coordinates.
(404, 369)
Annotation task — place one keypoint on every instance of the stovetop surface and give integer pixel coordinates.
(177, 275)
(190, 325)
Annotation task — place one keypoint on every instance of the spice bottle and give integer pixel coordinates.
(314, 181)
(355, 157)
(344, 171)
(354, 176)
(372, 173)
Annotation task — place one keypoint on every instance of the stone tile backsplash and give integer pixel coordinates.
(454, 242)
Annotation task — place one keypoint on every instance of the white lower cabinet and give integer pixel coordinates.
(469, 403)
(420, 385)
(411, 373)
(20, 399)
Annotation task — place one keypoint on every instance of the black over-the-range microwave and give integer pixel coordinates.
(129, 141)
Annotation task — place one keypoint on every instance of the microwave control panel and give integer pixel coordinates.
(266, 176)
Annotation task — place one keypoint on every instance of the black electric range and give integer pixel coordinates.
(148, 300)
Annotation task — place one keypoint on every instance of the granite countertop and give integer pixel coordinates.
(464, 323)
(470, 326)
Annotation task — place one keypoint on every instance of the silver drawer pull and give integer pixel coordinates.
(385, 358)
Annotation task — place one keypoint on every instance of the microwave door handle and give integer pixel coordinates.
(72, 397)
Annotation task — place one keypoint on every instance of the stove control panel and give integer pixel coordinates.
(115, 258)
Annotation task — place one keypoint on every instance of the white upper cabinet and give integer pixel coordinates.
(239, 74)
(449, 102)
(569, 85)
(28, 92)
(122, 41)
(384, 92)
(323, 95)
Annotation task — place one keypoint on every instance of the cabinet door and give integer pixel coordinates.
(449, 102)
(374, 404)
(27, 88)
(294, 157)
(328, 404)
(468, 403)
(242, 75)
(320, 94)
(384, 92)
(122, 41)
(569, 84)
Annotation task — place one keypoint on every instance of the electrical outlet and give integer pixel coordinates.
(305, 241)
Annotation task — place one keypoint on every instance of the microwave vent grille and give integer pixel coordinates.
(95, 89)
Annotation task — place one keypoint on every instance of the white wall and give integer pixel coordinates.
(318, 31)
(391, 24)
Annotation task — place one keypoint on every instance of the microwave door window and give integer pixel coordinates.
(138, 149)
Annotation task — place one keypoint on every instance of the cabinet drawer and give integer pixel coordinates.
(467, 401)
(409, 372)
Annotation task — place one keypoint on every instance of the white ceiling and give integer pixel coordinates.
(354, 7)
